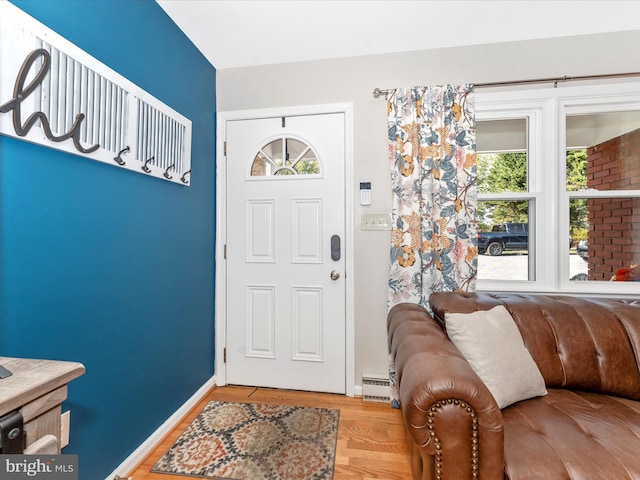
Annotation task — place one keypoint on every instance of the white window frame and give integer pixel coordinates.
(546, 109)
(497, 107)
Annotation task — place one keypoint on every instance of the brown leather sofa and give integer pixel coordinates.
(587, 427)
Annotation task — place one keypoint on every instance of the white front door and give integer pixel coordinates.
(285, 252)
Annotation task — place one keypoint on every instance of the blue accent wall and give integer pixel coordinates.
(108, 267)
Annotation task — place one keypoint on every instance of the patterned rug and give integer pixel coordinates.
(242, 441)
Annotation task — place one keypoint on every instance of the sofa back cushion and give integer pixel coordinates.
(578, 343)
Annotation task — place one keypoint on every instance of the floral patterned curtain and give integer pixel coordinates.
(433, 174)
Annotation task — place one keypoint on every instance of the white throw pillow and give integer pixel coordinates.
(493, 346)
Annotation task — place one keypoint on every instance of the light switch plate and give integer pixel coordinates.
(375, 221)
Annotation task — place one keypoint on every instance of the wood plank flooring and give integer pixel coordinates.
(371, 439)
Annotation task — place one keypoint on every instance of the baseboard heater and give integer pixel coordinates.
(375, 387)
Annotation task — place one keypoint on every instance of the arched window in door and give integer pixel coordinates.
(285, 156)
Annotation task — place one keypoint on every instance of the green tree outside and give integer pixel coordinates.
(576, 181)
(498, 173)
(507, 172)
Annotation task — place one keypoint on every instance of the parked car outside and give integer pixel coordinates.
(507, 236)
(583, 249)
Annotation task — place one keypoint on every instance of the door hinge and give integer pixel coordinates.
(225, 148)
(225, 251)
(224, 355)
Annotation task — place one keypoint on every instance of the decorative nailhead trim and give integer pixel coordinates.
(474, 441)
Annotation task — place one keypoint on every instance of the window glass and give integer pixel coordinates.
(503, 240)
(284, 157)
(503, 225)
(502, 155)
(609, 243)
(603, 155)
(603, 151)
(259, 166)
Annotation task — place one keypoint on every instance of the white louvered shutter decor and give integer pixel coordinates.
(54, 94)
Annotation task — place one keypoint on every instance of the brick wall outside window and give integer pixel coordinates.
(614, 223)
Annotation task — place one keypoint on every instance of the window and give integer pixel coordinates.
(285, 156)
(504, 200)
(602, 185)
(565, 162)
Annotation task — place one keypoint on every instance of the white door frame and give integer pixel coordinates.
(221, 233)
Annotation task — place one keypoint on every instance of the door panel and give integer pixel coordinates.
(285, 200)
(307, 324)
(260, 231)
(306, 219)
(260, 322)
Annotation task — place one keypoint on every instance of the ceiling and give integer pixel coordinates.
(240, 33)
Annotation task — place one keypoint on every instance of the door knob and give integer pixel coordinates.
(335, 274)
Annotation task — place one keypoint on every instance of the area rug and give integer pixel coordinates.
(243, 441)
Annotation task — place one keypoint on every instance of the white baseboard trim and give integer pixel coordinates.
(357, 391)
(139, 454)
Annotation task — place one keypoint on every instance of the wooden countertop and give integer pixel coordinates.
(33, 378)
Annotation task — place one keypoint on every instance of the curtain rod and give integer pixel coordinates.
(378, 92)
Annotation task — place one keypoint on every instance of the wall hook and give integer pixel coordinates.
(166, 172)
(119, 159)
(183, 178)
(145, 168)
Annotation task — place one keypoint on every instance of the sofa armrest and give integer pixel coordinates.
(448, 411)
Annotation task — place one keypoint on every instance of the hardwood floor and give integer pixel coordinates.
(371, 439)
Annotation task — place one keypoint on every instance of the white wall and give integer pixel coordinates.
(353, 80)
